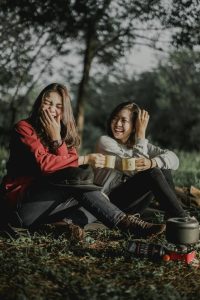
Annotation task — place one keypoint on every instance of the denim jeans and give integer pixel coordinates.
(135, 194)
(46, 203)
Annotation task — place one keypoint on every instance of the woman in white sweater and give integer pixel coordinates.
(126, 130)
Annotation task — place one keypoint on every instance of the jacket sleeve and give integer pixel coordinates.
(164, 158)
(46, 161)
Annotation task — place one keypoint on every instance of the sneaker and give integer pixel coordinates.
(132, 224)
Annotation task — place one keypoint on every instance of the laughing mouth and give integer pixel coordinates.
(118, 131)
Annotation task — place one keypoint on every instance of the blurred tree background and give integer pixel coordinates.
(81, 43)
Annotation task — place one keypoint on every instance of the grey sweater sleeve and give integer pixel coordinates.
(164, 158)
(107, 145)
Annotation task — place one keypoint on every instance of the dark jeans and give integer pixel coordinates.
(135, 194)
(45, 203)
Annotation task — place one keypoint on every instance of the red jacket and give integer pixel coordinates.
(29, 159)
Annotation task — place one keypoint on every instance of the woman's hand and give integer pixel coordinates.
(96, 160)
(141, 124)
(142, 164)
(51, 125)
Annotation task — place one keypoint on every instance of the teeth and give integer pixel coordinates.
(118, 131)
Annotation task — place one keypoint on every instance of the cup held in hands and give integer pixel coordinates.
(128, 164)
(110, 161)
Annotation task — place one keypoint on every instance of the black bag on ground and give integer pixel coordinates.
(81, 177)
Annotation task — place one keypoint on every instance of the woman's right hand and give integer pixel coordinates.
(96, 160)
(51, 125)
(141, 123)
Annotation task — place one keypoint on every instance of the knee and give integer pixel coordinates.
(156, 172)
(105, 196)
(167, 173)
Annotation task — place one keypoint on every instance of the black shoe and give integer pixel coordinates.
(139, 228)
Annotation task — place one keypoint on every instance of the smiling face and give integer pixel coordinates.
(122, 125)
(52, 102)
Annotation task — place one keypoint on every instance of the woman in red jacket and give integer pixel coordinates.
(45, 144)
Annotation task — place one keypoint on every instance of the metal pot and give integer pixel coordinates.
(182, 230)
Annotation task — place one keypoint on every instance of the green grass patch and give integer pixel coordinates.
(100, 267)
(188, 172)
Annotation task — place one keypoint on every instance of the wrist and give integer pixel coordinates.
(140, 135)
(153, 163)
(54, 144)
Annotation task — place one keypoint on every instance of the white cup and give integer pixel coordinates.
(110, 161)
(128, 164)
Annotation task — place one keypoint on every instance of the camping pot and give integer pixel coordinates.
(182, 230)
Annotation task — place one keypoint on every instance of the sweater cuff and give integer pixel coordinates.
(159, 162)
(141, 142)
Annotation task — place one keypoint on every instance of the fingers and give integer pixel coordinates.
(58, 119)
(97, 160)
(139, 113)
(142, 164)
(143, 114)
(48, 116)
(42, 122)
(45, 118)
(48, 119)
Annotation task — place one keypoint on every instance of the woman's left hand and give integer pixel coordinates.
(141, 123)
(51, 125)
(142, 164)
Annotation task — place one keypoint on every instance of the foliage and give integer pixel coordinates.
(98, 32)
(3, 159)
(178, 121)
(184, 17)
(188, 172)
(21, 53)
(170, 93)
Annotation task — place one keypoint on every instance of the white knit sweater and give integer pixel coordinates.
(165, 158)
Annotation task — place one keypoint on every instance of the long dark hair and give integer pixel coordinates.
(134, 109)
(69, 133)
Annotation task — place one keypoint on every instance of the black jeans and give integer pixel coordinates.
(135, 194)
(46, 203)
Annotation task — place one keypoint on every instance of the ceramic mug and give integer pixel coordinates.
(128, 164)
(110, 161)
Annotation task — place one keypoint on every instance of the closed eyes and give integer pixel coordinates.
(50, 103)
(123, 120)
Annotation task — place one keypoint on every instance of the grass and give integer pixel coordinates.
(39, 266)
(188, 172)
(100, 267)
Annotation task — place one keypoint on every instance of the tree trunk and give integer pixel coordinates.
(80, 105)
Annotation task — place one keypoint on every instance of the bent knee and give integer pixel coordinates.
(156, 172)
